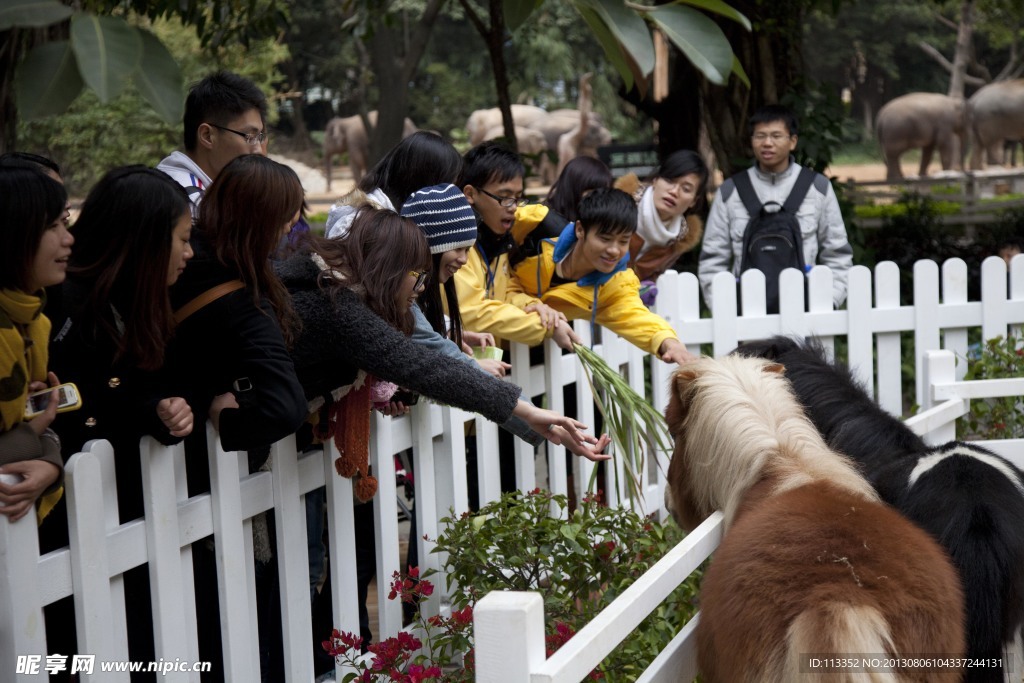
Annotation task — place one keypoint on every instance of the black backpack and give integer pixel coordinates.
(772, 240)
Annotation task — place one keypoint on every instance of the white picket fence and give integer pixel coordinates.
(509, 626)
(102, 550)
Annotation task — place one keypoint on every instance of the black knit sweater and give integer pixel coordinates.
(341, 335)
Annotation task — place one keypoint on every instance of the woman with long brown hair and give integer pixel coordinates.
(235, 316)
(354, 297)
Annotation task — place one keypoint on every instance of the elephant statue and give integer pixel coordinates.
(349, 134)
(530, 143)
(996, 114)
(924, 120)
(482, 121)
(587, 134)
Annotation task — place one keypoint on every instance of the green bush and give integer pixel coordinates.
(995, 418)
(579, 565)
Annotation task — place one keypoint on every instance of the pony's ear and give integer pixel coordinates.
(775, 367)
(675, 413)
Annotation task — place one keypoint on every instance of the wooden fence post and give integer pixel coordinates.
(508, 630)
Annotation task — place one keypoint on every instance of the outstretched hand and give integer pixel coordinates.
(544, 422)
(593, 451)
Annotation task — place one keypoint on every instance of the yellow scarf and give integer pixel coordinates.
(21, 316)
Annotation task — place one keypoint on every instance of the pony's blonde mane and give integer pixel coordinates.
(742, 424)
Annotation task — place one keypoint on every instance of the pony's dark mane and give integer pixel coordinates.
(848, 419)
(968, 498)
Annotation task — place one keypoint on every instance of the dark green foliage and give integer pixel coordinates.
(579, 565)
(995, 418)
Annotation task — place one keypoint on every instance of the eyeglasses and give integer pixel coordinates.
(505, 202)
(250, 138)
(774, 137)
(421, 279)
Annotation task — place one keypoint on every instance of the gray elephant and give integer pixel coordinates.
(924, 120)
(996, 114)
(348, 134)
(482, 121)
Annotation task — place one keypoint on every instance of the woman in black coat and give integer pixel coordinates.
(109, 337)
(235, 319)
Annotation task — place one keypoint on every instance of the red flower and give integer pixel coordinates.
(463, 616)
(341, 642)
(418, 673)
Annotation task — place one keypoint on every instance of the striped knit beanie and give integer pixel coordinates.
(444, 215)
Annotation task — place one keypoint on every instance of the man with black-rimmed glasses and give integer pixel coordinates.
(224, 118)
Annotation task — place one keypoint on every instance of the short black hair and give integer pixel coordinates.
(610, 211)
(774, 112)
(40, 162)
(490, 161)
(30, 202)
(218, 98)
(684, 162)
(579, 176)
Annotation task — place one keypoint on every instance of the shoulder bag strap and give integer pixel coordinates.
(205, 298)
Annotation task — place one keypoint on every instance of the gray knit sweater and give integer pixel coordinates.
(341, 336)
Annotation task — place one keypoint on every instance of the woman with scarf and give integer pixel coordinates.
(34, 248)
(667, 225)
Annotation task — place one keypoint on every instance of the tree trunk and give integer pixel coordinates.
(772, 56)
(10, 42)
(963, 50)
(300, 135)
(496, 48)
(395, 52)
(494, 37)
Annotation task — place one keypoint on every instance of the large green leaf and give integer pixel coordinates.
(158, 78)
(47, 80)
(32, 13)
(698, 37)
(108, 51)
(737, 69)
(517, 12)
(629, 29)
(719, 7)
(613, 50)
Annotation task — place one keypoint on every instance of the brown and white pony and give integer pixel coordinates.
(811, 564)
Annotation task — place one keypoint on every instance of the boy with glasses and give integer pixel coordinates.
(224, 119)
(773, 135)
(492, 180)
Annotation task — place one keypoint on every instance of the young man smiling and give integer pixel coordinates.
(224, 119)
(585, 274)
(492, 180)
(773, 135)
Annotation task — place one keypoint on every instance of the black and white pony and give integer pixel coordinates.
(968, 498)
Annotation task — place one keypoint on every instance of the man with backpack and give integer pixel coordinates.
(775, 215)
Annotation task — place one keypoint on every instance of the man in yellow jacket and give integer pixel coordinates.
(585, 274)
(492, 180)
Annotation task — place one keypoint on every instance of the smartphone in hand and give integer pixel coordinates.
(67, 399)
